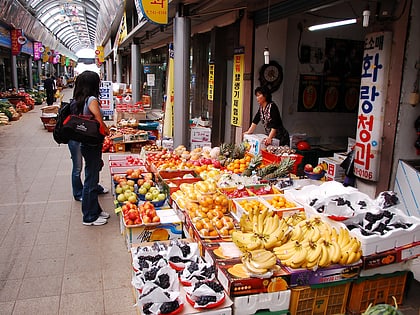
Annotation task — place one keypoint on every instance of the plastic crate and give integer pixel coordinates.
(272, 158)
(324, 299)
(376, 290)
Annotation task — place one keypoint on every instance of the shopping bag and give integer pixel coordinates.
(83, 128)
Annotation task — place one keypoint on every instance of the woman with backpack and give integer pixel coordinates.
(85, 96)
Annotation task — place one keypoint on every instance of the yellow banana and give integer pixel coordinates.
(314, 252)
(252, 269)
(356, 245)
(271, 225)
(297, 234)
(352, 258)
(256, 244)
(325, 257)
(344, 257)
(316, 234)
(334, 235)
(299, 256)
(311, 264)
(335, 258)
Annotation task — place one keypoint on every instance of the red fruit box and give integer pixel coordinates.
(273, 158)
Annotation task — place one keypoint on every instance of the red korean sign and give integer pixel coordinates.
(373, 91)
(156, 11)
(15, 36)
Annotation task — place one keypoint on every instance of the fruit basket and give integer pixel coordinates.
(315, 176)
(50, 127)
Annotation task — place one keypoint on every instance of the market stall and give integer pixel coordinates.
(224, 231)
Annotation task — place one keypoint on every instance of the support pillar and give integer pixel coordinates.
(182, 31)
(135, 71)
(14, 73)
(31, 77)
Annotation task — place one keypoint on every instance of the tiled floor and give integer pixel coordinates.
(49, 262)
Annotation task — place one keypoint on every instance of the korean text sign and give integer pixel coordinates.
(237, 89)
(373, 91)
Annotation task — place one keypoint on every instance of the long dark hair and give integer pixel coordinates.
(264, 91)
(87, 84)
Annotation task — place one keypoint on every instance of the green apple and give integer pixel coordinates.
(132, 198)
(118, 190)
(161, 197)
(127, 193)
(121, 198)
(147, 185)
(155, 193)
(149, 196)
(142, 190)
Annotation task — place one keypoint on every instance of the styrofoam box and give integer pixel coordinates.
(122, 156)
(273, 301)
(334, 169)
(256, 142)
(237, 209)
(395, 238)
(284, 211)
(407, 186)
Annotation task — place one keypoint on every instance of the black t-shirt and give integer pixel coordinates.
(49, 84)
(270, 118)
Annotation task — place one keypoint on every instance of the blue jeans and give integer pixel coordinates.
(93, 165)
(77, 159)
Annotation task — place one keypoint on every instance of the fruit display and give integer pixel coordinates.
(125, 191)
(235, 192)
(164, 160)
(276, 170)
(235, 180)
(280, 150)
(313, 243)
(148, 191)
(259, 190)
(148, 213)
(128, 160)
(131, 214)
(315, 172)
(205, 294)
(259, 261)
(197, 271)
(259, 229)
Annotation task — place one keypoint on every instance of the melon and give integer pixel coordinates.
(383, 309)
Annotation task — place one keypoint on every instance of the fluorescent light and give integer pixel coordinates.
(332, 24)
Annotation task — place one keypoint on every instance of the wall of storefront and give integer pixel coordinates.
(284, 36)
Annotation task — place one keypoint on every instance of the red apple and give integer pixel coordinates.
(308, 168)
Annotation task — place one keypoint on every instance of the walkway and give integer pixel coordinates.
(49, 262)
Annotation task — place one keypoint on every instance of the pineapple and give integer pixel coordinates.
(239, 151)
(253, 164)
(282, 170)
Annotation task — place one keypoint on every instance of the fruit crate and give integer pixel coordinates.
(377, 289)
(320, 299)
(270, 158)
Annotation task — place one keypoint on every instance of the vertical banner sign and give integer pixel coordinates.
(99, 55)
(15, 36)
(46, 54)
(169, 104)
(37, 51)
(373, 90)
(106, 97)
(210, 89)
(156, 11)
(237, 89)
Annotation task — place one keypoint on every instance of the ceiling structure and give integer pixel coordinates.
(71, 25)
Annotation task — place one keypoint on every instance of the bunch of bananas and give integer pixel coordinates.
(259, 261)
(314, 243)
(260, 229)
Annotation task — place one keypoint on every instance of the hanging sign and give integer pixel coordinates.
(46, 54)
(156, 11)
(106, 96)
(210, 89)
(373, 91)
(16, 41)
(237, 89)
(37, 51)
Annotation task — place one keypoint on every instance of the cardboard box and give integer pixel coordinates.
(334, 170)
(195, 145)
(334, 273)
(119, 147)
(236, 286)
(250, 304)
(393, 256)
(256, 142)
(170, 228)
(200, 134)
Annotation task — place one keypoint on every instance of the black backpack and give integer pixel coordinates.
(63, 113)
